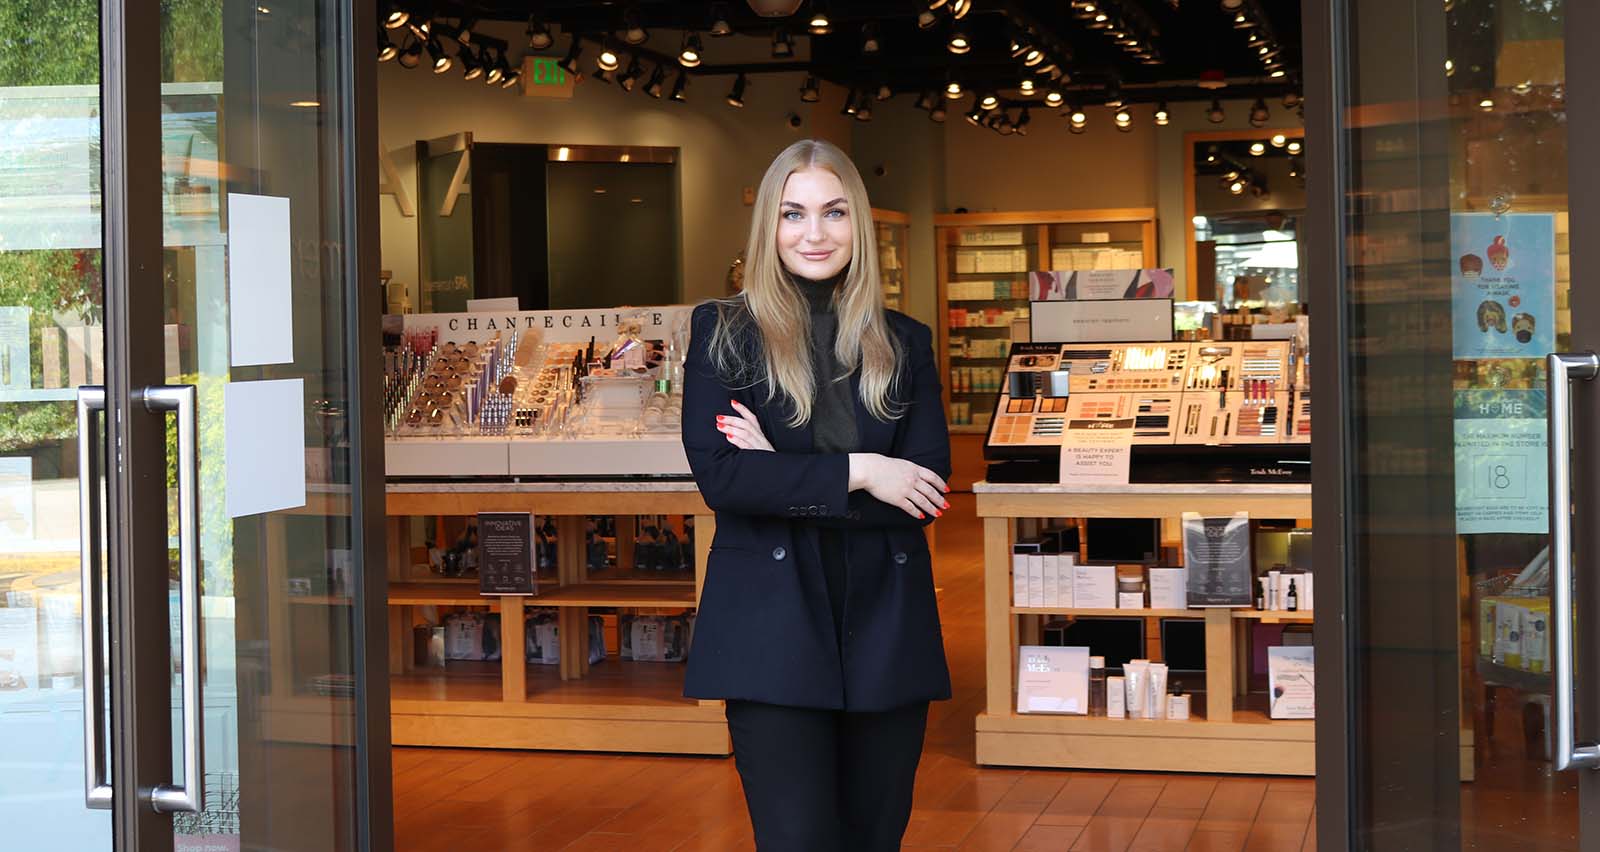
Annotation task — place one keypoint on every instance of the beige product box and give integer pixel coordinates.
(1019, 579)
(1116, 698)
(1169, 588)
(1064, 565)
(1052, 580)
(1035, 580)
(1536, 635)
(1508, 633)
(1094, 586)
(1178, 708)
(1053, 680)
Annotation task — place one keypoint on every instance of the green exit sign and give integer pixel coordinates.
(543, 78)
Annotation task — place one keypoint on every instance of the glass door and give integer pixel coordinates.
(1457, 722)
(184, 624)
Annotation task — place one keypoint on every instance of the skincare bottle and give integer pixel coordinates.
(1292, 599)
(1097, 686)
(1116, 698)
(1261, 594)
(1136, 677)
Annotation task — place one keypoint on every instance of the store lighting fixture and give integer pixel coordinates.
(782, 46)
(926, 19)
(818, 23)
(689, 54)
(869, 39)
(679, 85)
(386, 48)
(494, 69)
(1295, 147)
(864, 108)
(1241, 21)
(849, 107)
(510, 78)
(471, 67)
(608, 60)
(1026, 86)
(1276, 73)
(1053, 98)
(884, 92)
(396, 18)
(1294, 168)
(1237, 187)
(810, 92)
(602, 76)
(1279, 140)
(1163, 117)
(563, 154)
(1487, 104)
(1257, 149)
(633, 31)
(736, 94)
(958, 43)
(1258, 113)
(630, 77)
(569, 63)
(1211, 155)
(975, 116)
(989, 101)
(657, 80)
(1113, 95)
(1023, 120)
(960, 8)
(1003, 125)
(1291, 100)
(953, 90)
(305, 104)
(539, 37)
(1077, 120)
(1449, 67)
(1124, 121)
(925, 101)
(1231, 175)
(441, 61)
(1232, 5)
(1215, 115)
(720, 27)
(937, 114)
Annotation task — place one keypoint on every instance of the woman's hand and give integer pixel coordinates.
(743, 431)
(911, 487)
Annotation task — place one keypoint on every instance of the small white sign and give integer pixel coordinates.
(1102, 321)
(260, 300)
(1096, 452)
(265, 446)
(1292, 679)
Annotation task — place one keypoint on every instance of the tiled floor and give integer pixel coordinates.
(493, 800)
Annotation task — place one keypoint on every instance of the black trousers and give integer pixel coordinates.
(826, 780)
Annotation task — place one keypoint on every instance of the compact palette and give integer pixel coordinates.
(1177, 393)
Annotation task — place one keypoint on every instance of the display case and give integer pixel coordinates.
(893, 233)
(983, 265)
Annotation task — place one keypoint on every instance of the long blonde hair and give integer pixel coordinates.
(781, 315)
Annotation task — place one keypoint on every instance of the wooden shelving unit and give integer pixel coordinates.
(1224, 735)
(894, 241)
(1036, 236)
(617, 705)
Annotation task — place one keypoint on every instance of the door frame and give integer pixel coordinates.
(141, 743)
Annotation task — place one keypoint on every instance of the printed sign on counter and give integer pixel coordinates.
(1073, 284)
(1503, 285)
(1292, 680)
(505, 554)
(1501, 461)
(1216, 552)
(1096, 452)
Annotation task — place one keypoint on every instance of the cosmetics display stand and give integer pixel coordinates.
(1220, 736)
(615, 705)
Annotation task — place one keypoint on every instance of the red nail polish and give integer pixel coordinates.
(946, 504)
(921, 516)
(720, 418)
(938, 514)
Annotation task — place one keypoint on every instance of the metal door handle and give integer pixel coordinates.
(1563, 368)
(96, 784)
(190, 797)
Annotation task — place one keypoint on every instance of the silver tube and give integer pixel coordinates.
(96, 786)
(1563, 368)
(190, 797)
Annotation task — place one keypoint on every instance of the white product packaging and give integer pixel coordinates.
(1053, 680)
(1136, 676)
(1116, 698)
(1508, 634)
(1130, 600)
(1094, 586)
(1178, 708)
(1064, 593)
(1052, 580)
(1307, 600)
(1157, 702)
(1019, 579)
(1035, 580)
(1169, 588)
(1275, 591)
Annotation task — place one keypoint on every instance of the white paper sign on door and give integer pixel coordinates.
(260, 295)
(1096, 452)
(266, 446)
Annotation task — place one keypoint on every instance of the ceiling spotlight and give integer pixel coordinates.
(441, 60)
(849, 107)
(1215, 115)
(1211, 155)
(1237, 187)
(1078, 120)
(539, 37)
(736, 94)
(1231, 175)
(410, 55)
(810, 93)
(386, 48)
(679, 85)
(1163, 117)
(1053, 98)
(884, 92)
(1295, 147)
(1123, 120)
(657, 79)
(569, 63)
(1026, 86)
(869, 38)
(608, 60)
(689, 55)
(926, 19)
(1276, 73)
(1232, 5)
(1294, 168)
(975, 117)
(1113, 95)
(1291, 100)
(1033, 57)
(720, 27)
(396, 18)
(1279, 140)
(953, 90)
(510, 79)
(960, 8)
(1241, 21)
(937, 114)
(471, 67)
(1258, 113)
(925, 101)
(633, 31)
(1023, 120)
(958, 43)
(1257, 149)
(818, 23)
(1487, 104)
(989, 101)
(1003, 125)
(782, 46)
(630, 77)
(864, 108)
(495, 69)
(1449, 67)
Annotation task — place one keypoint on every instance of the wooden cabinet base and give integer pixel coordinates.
(692, 730)
(1257, 748)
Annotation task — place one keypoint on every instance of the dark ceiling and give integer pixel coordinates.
(1182, 40)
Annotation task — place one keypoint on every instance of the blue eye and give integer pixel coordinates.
(792, 215)
(837, 214)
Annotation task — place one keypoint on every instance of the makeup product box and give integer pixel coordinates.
(1035, 580)
(1536, 635)
(1053, 680)
(1094, 586)
(1508, 633)
(1169, 588)
(1116, 698)
(1019, 572)
(1178, 708)
(1065, 562)
(1052, 580)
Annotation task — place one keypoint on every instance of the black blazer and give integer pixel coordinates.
(765, 631)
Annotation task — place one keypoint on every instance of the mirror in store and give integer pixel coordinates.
(541, 224)
(1246, 199)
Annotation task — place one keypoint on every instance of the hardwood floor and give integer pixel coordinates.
(451, 799)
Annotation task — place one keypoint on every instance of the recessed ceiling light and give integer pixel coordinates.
(305, 104)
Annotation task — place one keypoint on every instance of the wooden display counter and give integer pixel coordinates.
(615, 705)
(1223, 735)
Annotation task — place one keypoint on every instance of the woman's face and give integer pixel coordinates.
(814, 230)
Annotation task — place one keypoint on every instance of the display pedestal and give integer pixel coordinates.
(1222, 736)
(615, 706)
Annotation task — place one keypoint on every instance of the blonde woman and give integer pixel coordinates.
(814, 427)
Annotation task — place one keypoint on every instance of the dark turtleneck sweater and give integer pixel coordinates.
(833, 429)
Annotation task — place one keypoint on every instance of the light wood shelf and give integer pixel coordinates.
(615, 594)
(1221, 736)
